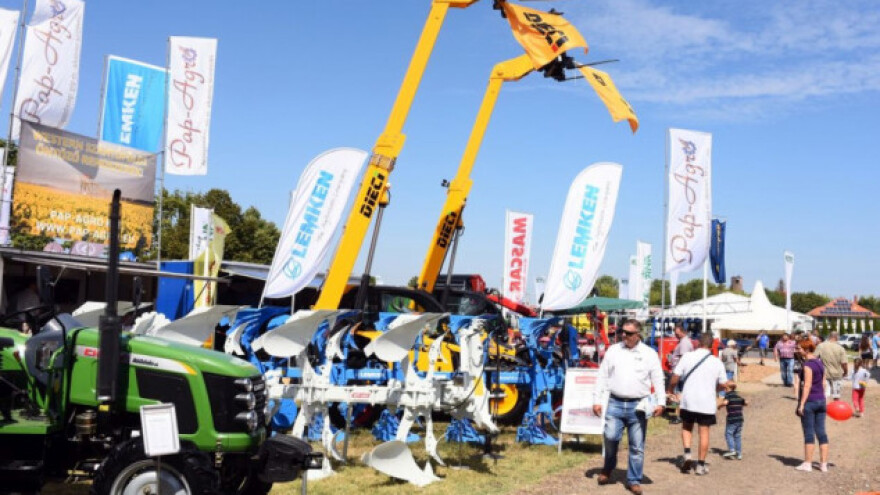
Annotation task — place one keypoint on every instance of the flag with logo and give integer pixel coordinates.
(50, 65)
(517, 251)
(133, 105)
(208, 262)
(643, 258)
(689, 215)
(201, 230)
(315, 213)
(583, 235)
(190, 93)
(617, 106)
(788, 256)
(8, 26)
(633, 283)
(544, 36)
(716, 252)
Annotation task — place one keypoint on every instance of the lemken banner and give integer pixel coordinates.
(133, 107)
(689, 217)
(315, 212)
(64, 183)
(517, 251)
(583, 235)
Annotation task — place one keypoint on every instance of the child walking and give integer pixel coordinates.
(733, 432)
(859, 382)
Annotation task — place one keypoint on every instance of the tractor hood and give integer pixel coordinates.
(145, 351)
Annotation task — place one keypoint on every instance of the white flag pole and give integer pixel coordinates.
(21, 28)
(160, 160)
(665, 240)
(705, 291)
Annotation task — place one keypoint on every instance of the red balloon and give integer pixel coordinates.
(839, 410)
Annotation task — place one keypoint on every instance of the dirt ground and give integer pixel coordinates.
(772, 447)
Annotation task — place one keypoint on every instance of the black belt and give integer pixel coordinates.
(626, 399)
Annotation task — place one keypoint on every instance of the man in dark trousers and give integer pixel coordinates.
(702, 375)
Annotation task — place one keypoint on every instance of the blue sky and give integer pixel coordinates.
(788, 89)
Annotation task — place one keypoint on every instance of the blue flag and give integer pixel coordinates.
(134, 104)
(716, 251)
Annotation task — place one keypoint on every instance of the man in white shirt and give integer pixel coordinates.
(628, 371)
(702, 375)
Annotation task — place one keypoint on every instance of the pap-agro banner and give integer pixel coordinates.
(315, 212)
(133, 106)
(50, 64)
(190, 93)
(64, 183)
(517, 251)
(583, 235)
(689, 217)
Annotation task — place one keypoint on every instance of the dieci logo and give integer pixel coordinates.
(368, 203)
(554, 37)
(447, 228)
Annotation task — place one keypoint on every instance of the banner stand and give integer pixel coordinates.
(577, 406)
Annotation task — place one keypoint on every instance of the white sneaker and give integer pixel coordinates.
(701, 470)
(805, 466)
(823, 467)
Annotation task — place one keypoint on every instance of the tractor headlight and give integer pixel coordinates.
(245, 383)
(248, 399)
(249, 419)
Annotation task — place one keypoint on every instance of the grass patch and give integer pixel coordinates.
(521, 467)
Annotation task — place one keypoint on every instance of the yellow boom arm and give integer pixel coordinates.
(460, 187)
(385, 153)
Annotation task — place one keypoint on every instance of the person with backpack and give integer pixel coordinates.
(701, 376)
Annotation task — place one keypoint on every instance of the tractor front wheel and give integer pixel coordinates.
(128, 471)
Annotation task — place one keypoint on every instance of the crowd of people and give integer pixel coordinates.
(700, 384)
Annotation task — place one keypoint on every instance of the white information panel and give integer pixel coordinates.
(577, 403)
(159, 425)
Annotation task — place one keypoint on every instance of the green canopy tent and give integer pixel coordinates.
(605, 304)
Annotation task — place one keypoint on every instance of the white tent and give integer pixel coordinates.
(740, 314)
(717, 306)
(763, 316)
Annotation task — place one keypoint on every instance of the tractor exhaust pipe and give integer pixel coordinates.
(109, 324)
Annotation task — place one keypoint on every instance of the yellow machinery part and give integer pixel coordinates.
(385, 153)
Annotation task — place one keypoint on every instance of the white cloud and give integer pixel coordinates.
(742, 57)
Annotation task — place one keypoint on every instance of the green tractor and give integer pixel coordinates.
(70, 401)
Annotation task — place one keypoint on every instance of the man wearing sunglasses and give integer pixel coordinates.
(628, 372)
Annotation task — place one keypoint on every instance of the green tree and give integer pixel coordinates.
(693, 291)
(413, 282)
(607, 286)
(656, 290)
(804, 302)
(776, 297)
(252, 238)
(12, 155)
(870, 302)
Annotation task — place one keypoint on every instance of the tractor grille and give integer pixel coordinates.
(224, 407)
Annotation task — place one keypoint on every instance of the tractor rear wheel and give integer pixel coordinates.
(128, 471)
